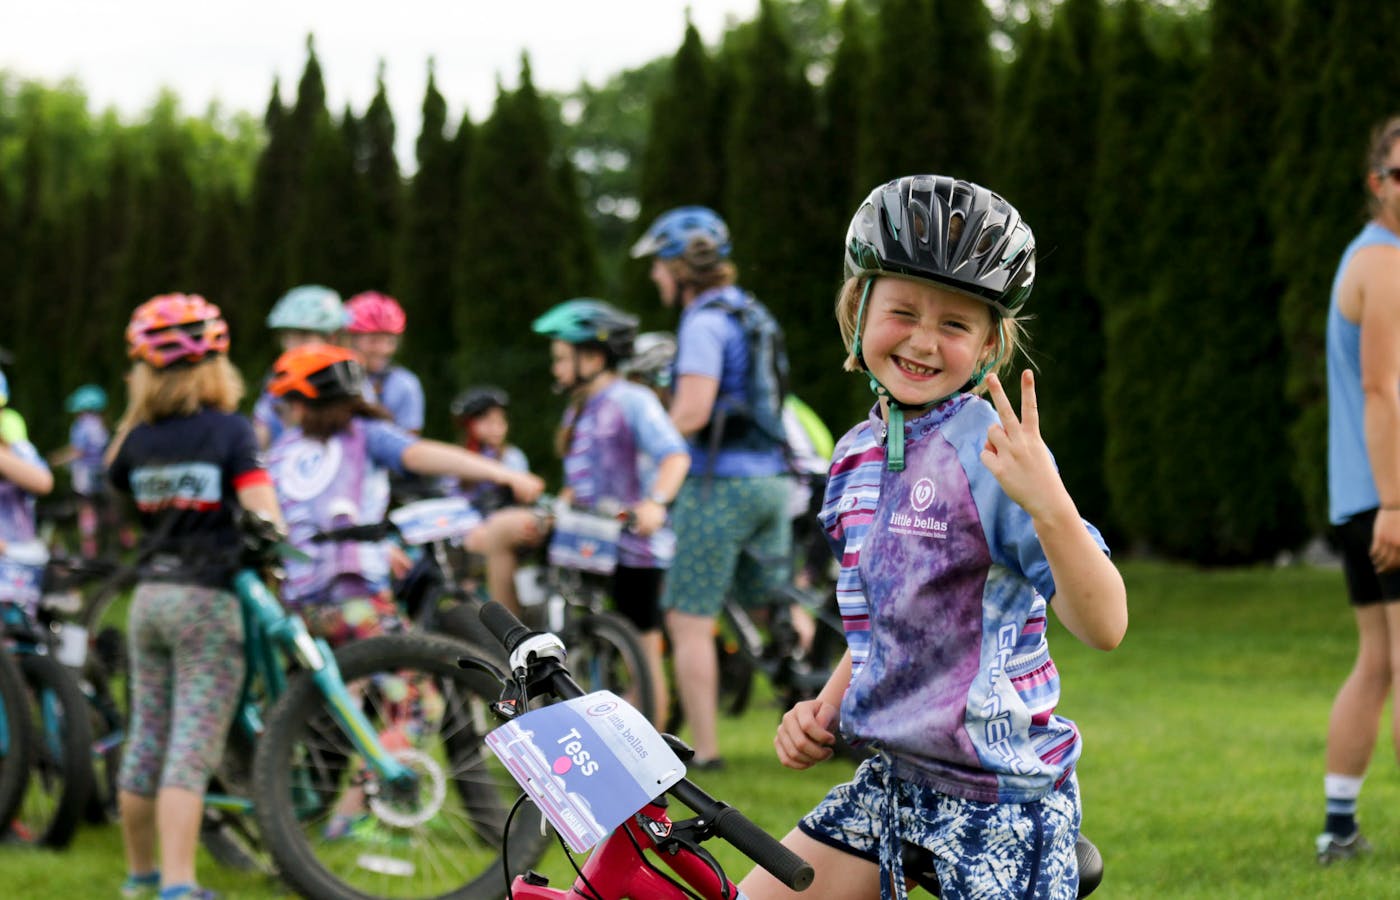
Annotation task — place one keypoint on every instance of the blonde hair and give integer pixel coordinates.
(721, 274)
(1012, 328)
(155, 394)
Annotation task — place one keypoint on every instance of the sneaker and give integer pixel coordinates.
(188, 892)
(1331, 848)
(706, 765)
(141, 886)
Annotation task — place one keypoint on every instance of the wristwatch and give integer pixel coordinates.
(657, 498)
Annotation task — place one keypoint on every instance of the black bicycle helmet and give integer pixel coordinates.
(950, 232)
(478, 399)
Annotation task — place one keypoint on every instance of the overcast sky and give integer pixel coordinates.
(124, 51)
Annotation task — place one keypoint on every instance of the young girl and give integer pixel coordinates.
(481, 416)
(306, 314)
(377, 323)
(612, 429)
(87, 443)
(23, 477)
(189, 462)
(331, 468)
(954, 533)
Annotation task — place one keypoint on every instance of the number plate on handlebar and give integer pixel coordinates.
(584, 541)
(435, 520)
(589, 763)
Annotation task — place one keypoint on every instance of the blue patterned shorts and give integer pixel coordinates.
(714, 523)
(980, 850)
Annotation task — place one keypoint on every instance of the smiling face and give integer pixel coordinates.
(923, 342)
(377, 349)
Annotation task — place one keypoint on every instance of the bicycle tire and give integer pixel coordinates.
(60, 779)
(451, 850)
(107, 721)
(606, 653)
(16, 741)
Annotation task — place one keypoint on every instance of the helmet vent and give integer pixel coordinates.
(987, 241)
(955, 229)
(919, 221)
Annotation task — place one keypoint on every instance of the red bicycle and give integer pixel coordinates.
(625, 863)
(622, 866)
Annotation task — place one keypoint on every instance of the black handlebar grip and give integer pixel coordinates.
(761, 847)
(503, 625)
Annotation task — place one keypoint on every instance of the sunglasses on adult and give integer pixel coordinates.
(1393, 173)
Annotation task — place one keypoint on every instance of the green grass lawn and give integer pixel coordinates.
(1202, 772)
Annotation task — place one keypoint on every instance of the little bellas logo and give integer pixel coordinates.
(921, 495)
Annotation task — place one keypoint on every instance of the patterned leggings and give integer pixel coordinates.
(187, 666)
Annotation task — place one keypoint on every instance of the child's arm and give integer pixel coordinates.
(29, 477)
(426, 457)
(1090, 598)
(670, 474)
(63, 455)
(807, 731)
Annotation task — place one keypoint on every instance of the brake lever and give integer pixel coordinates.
(514, 699)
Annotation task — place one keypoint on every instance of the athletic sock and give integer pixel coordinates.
(1342, 792)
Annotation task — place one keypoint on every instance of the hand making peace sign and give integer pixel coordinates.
(1015, 453)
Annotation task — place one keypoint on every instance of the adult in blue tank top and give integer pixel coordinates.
(736, 495)
(1363, 466)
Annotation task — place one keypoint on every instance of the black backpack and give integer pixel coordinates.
(756, 421)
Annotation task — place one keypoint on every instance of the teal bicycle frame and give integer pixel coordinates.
(272, 635)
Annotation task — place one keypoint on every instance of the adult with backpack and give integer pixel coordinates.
(729, 379)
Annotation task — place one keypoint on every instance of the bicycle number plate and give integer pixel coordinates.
(589, 764)
(585, 542)
(435, 520)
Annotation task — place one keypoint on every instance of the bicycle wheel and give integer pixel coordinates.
(444, 841)
(16, 741)
(107, 719)
(606, 653)
(60, 778)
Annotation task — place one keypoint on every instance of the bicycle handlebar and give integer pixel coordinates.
(375, 531)
(727, 822)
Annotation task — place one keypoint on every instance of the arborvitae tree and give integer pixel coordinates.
(272, 207)
(1142, 93)
(1051, 188)
(427, 248)
(159, 260)
(682, 163)
(1333, 94)
(781, 222)
(1218, 365)
(516, 260)
(379, 169)
(845, 98)
(220, 270)
(931, 92)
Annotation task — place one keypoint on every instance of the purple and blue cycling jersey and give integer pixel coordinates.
(88, 437)
(942, 589)
(401, 393)
(618, 426)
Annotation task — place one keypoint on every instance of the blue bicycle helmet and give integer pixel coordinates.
(693, 234)
(88, 398)
(584, 320)
(309, 307)
(4, 390)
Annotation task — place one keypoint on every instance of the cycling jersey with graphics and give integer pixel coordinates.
(184, 473)
(19, 583)
(401, 393)
(330, 484)
(943, 588)
(617, 426)
(88, 438)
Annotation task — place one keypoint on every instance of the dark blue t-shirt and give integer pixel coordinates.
(184, 473)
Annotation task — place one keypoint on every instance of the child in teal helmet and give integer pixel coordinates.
(87, 442)
(308, 313)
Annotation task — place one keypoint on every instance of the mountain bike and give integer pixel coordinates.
(16, 740)
(60, 733)
(566, 594)
(386, 731)
(625, 863)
